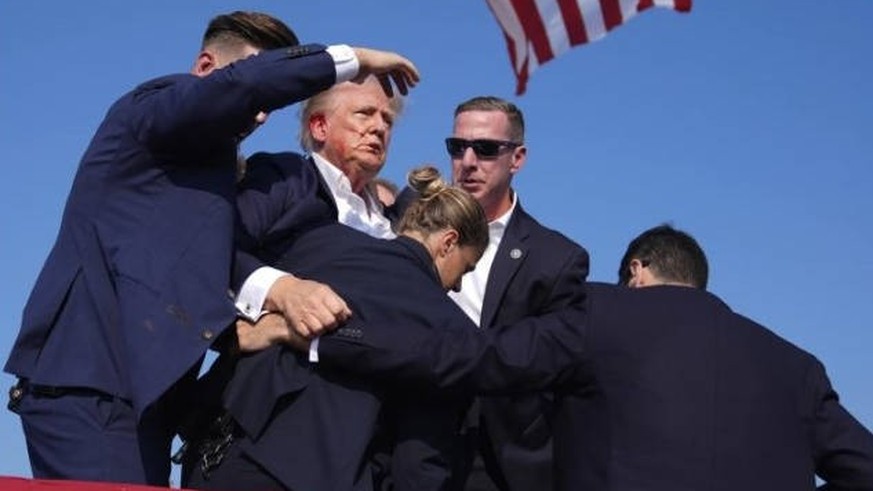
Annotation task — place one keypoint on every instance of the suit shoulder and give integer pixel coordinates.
(542, 232)
(271, 171)
(556, 243)
(285, 164)
(771, 340)
(145, 90)
(290, 160)
(164, 81)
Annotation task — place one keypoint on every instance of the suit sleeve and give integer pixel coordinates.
(843, 448)
(568, 288)
(276, 202)
(190, 116)
(531, 354)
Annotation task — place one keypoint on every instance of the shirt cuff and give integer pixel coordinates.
(313, 350)
(250, 301)
(345, 61)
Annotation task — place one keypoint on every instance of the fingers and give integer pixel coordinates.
(323, 311)
(385, 82)
(270, 329)
(401, 82)
(298, 342)
(310, 308)
(405, 78)
(387, 66)
(247, 336)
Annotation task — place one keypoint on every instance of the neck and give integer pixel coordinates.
(417, 236)
(498, 208)
(660, 282)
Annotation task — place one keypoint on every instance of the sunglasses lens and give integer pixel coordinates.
(456, 147)
(485, 148)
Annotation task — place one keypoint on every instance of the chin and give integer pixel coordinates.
(374, 165)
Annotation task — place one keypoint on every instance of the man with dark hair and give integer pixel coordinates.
(135, 289)
(679, 259)
(253, 28)
(684, 394)
(658, 387)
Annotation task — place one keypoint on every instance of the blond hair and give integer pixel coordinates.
(440, 206)
(326, 102)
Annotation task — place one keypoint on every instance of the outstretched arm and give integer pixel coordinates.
(843, 447)
(532, 354)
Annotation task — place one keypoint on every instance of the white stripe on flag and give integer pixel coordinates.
(557, 33)
(629, 9)
(550, 12)
(592, 17)
(508, 19)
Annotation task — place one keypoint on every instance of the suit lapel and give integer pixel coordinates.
(323, 188)
(511, 253)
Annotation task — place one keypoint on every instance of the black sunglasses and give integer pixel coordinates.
(483, 148)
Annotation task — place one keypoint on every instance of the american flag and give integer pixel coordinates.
(538, 30)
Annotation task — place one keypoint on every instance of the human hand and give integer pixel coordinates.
(309, 307)
(270, 329)
(386, 66)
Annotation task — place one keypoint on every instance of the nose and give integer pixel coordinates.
(469, 158)
(380, 126)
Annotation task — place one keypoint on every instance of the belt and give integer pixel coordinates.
(23, 386)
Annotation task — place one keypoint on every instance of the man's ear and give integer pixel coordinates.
(205, 63)
(318, 127)
(519, 156)
(637, 278)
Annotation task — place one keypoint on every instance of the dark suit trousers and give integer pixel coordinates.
(91, 436)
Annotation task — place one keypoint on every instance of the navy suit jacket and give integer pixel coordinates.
(311, 430)
(680, 393)
(659, 388)
(135, 288)
(282, 196)
(536, 270)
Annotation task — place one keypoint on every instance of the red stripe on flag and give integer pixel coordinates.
(682, 5)
(678, 5)
(534, 29)
(520, 75)
(534, 33)
(611, 13)
(573, 22)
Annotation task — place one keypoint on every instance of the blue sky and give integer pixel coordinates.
(748, 124)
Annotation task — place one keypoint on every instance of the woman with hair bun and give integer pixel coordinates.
(444, 217)
(290, 424)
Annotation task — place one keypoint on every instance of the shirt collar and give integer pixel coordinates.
(497, 226)
(339, 183)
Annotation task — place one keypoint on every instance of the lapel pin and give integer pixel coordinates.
(515, 253)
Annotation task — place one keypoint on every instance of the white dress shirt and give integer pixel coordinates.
(473, 284)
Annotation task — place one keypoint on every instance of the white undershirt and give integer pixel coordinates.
(362, 213)
(473, 284)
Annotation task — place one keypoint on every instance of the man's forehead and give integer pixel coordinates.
(494, 123)
(355, 95)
